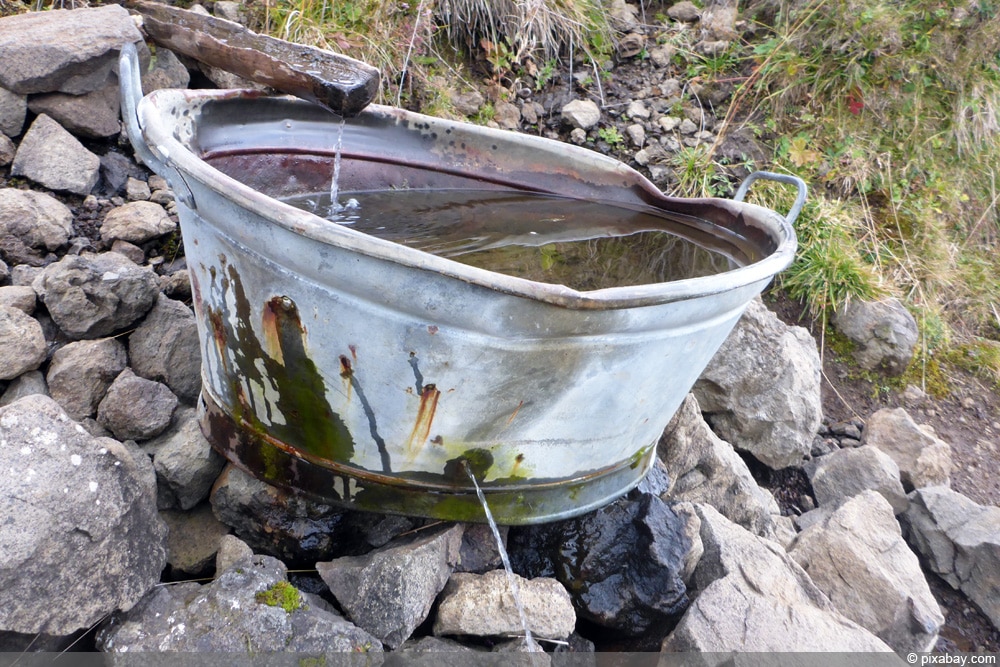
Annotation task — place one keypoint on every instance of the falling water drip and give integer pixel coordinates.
(511, 580)
(336, 206)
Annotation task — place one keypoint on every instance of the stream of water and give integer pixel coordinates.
(335, 206)
(515, 590)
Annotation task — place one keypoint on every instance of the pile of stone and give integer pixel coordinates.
(112, 501)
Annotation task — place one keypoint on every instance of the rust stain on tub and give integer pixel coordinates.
(425, 416)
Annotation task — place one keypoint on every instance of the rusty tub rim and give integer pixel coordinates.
(163, 152)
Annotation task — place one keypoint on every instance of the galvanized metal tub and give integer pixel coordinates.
(375, 376)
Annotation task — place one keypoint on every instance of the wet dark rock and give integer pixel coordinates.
(250, 609)
(390, 591)
(92, 296)
(32, 225)
(22, 343)
(165, 347)
(621, 564)
(135, 408)
(185, 463)
(116, 169)
(55, 159)
(275, 522)
(481, 605)
(479, 552)
(81, 536)
(81, 372)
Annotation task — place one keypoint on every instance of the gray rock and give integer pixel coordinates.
(7, 149)
(70, 51)
(229, 10)
(165, 347)
(718, 23)
(636, 134)
(692, 531)
(22, 343)
(687, 126)
(185, 463)
(624, 15)
(27, 384)
(81, 536)
(95, 114)
(130, 250)
(960, 541)
(135, 408)
(506, 115)
(91, 296)
(436, 645)
(922, 457)
(847, 472)
(81, 372)
(705, 469)
(21, 297)
(193, 539)
(231, 550)
(771, 605)
(165, 71)
(761, 391)
(622, 564)
(137, 190)
(273, 521)
(55, 159)
(136, 222)
(13, 109)
(582, 114)
(684, 11)
(241, 612)
(482, 605)
(390, 591)
(32, 224)
(857, 556)
(884, 333)
(467, 103)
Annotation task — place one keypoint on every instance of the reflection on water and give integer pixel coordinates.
(581, 244)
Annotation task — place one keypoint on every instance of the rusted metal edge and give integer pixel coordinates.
(282, 466)
(340, 83)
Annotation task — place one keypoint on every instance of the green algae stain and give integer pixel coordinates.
(297, 413)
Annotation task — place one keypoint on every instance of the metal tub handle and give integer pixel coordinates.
(130, 83)
(800, 198)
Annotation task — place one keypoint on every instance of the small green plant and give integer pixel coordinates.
(545, 73)
(611, 136)
(282, 594)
